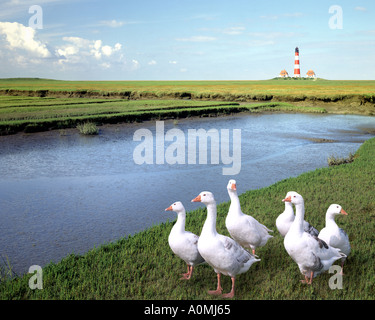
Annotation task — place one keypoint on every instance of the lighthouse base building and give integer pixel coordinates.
(283, 74)
(310, 74)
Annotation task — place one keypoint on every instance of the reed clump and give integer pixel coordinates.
(336, 161)
(88, 128)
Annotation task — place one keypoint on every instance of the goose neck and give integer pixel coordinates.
(209, 227)
(330, 220)
(300, 215)
(180, 223)
(289, 210)
(235, 206)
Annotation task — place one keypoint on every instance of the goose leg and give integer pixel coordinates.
(186, 276)
(219, 289)
(231, 293)
(342, 267)
(191, 272)
(311, 277)
(307, 280)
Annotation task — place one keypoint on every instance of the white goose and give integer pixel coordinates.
(184, 243)
(243, 228)
(312, 254)
(222, 253)
(333, 235)
(285, 220)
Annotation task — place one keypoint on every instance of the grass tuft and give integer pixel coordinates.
(6, 271)
(88, 128)
(333, 161)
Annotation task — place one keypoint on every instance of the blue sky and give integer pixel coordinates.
(185, 40)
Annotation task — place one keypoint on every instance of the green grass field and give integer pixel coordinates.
(248, 89)
(66, 103)
(142, 266)
(32, 114)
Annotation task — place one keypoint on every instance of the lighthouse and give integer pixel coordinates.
(297, 73)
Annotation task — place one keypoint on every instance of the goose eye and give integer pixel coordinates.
(204, 195)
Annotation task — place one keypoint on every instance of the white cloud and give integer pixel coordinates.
(112, 23)
(107, 50)
(105, 65)
(284, 15)
(116, 24)
(234, 30)
(197, 39)
(205, 17)
(21, 47)
(261, 43)
(363, 9)
(67, 51)
(135, 64)
(19, 37)
(152, 63)
(78, 48)
(273, 35)
(173, 62)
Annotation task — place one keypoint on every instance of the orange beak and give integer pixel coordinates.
(197, 199)
(233, 186)
(169, 208)
(343, 212)
(288, 199)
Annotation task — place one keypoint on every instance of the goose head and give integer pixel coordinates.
(294, 198)
(288, 197)
(288, 204)
(176, 207)
(232, 185)
(205, 197)
(335, 209)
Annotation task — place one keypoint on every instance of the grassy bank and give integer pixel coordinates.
(33, 105)
(143, 267)
(32, 114)
(338, 96)
(256, 89)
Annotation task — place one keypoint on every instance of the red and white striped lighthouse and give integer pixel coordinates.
(297, 73)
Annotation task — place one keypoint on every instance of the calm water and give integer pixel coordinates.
(62, 194)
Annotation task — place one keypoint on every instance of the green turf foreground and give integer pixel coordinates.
(142, 266)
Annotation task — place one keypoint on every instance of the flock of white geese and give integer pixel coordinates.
(313, 252)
